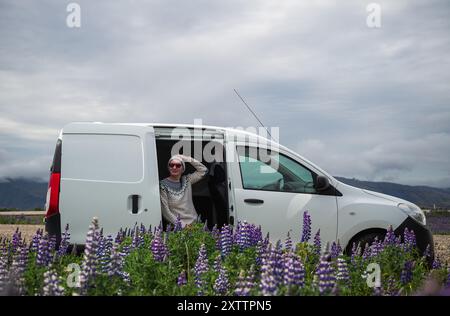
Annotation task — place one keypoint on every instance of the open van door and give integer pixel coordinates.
(108, 171)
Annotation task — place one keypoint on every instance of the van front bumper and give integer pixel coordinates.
(424, 237)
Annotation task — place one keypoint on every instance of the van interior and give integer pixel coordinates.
(210, 195)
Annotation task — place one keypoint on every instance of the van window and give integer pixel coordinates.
(102, 157)
(280, 173)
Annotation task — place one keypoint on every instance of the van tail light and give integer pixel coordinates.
(52, 214)
(52, 201)
(52, 204)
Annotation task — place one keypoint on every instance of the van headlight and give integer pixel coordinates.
(413, 211)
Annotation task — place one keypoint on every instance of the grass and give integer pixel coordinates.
(21, 219)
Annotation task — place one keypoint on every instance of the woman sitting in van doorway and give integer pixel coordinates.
(176, 190)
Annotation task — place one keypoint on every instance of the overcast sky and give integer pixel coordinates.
(369, 103)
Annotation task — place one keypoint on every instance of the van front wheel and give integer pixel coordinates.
(366, 238)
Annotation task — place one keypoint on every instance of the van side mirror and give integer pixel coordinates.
(322, 183)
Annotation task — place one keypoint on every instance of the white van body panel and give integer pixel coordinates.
(359, 211)
(103, 166)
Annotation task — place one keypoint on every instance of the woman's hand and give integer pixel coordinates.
(184, 158)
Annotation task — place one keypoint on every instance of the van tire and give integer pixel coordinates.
(75, 249)
(364, 238)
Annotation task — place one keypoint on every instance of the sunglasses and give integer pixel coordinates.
(175, 165)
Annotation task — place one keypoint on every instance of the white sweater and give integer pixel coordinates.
(174, 203)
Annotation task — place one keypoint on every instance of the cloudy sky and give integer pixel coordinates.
(369, 103)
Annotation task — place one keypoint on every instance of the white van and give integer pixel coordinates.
(112, 171)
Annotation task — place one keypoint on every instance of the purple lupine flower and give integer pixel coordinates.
(52, 242)
(200, 268)
(182, 280)
(43, 257)
(268, 284)
(294, 271)
(178, 225)
(398, 241)
(342, 270)
(3, 270)
(356, 252)
(436, 263)
(52, 284)
(158, 247)
(65, 241)
(217, 263)
(306, 232)
(215, 232)
(260, 250)
(221, 285)
(376, 248)
(35, 240)
(288, 243)
(389, 238)
(317, 243)
(18, 267)
(104, 253)
(409, 239)
(138, 238)
(16, 241)
(325, 275)
(226, 240)
(90, 258)
(119, 236)
(391, 287)
(142, 229)
(427, 252)
(278, 262)
(266, 241)
(335, 250)
(244, 283)
(116, 262)
(256, 235)
(406, 275)
(244, 235)
(205, 227)
(240, 287)
(367, 251)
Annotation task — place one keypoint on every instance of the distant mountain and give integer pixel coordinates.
(27, 194)
(423, 196)
(22, 193)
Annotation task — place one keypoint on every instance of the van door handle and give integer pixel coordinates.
(135, 203)
(254, 201)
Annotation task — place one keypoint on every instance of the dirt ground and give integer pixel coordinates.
(442, 247)
(441, 242)
(27, 231)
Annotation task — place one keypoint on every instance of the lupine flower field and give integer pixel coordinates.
(232, 261)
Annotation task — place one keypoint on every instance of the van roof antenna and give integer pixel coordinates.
(248, 107)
